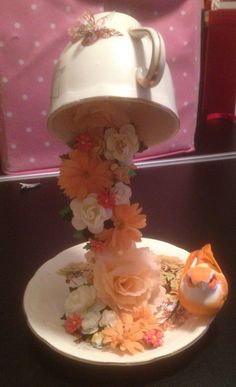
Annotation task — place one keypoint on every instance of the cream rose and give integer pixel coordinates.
(121, 144)
(132, 279)
(122, 193)
(88, 213)
(108, 319)
(90, 322)
(80, 300)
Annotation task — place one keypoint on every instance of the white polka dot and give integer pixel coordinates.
(185, 103)
(185, 131)
(47, 143)
(185, 74)
(17, 25)
(21, 62)
(1, 43)
(32, 160)
(52, 26)
(185, 43)
(37, 43)
(171, 28)
(4, 79)
(9, 114)
(25, 97)
(173, 59)
(40, 79)
(68, 8)
(13, 146)
(28, 130)
(34, 7)
(183, 12)
(43, 112)
(55, 61)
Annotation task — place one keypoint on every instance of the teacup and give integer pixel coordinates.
(116, 68)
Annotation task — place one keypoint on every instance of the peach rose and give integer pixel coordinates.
(128, 280)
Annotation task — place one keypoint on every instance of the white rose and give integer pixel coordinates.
(80, 300)
(122, 193)
(121, 144)
(109, 318)
(89, 213)
(89, 323)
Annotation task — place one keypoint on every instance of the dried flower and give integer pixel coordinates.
(153, 338)
(106, 199)
(73, 323)
(83, 142)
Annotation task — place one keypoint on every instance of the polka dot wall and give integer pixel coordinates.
(34, 34)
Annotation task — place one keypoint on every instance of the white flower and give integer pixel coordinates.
(109, 318)
(80, 300)
(90, 322)
(89, 213)
(122, 193)
(121, 144)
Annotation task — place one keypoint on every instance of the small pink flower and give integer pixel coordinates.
(97, 246)
(83, 142)
(73, 323)
(106, 199)
(153, 338)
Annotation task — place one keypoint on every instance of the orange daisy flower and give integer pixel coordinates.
(124, 335)
(127, 221)
(82, 174)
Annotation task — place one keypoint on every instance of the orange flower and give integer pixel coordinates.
(123, 173)
(124, 335)
(127, 221)
(82, 174)
(128, 280)
(146, 319)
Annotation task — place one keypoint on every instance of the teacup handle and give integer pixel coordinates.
(157, 65)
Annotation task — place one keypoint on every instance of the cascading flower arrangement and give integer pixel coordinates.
(119, 298)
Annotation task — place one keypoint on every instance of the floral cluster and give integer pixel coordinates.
(95, 176)
(126, 330)
(115, 295)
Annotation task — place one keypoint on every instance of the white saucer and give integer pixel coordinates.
(44, 306)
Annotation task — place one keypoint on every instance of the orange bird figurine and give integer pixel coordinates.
(203, 287)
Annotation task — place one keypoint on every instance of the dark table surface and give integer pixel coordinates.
(187, 205)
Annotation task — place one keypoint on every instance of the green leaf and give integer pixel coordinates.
(78, 235)
(87, 246)
(132, 173)
(65, 212)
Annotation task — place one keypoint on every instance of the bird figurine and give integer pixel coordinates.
(203, 288)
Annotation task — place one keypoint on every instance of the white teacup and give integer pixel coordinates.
(124, 76)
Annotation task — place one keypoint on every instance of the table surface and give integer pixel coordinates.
(186, 205)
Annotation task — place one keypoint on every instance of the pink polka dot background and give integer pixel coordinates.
(33, 34)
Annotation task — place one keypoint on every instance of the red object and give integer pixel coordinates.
(219, 88)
